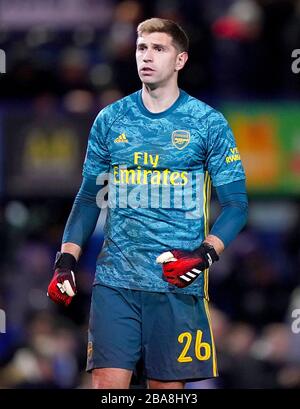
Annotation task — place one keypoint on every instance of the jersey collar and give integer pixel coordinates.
(162, 114)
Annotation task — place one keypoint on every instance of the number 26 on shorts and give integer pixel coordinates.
(202, 349)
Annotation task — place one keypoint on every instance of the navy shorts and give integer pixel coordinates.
(170, 332)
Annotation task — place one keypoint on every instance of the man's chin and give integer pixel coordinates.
(146, 80)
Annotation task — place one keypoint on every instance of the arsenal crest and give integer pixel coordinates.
(180, 138)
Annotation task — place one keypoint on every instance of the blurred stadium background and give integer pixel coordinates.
(65, 60)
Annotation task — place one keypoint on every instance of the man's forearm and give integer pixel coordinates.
(234, 203)
(71, 248)
(83, 217)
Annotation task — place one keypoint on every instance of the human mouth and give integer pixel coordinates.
(147, 70)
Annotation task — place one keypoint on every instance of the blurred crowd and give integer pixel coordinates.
(240, 49)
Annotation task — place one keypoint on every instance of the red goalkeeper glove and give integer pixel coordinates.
(182, 268)
(62, 287)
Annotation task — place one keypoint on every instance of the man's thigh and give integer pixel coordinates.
(177, 338)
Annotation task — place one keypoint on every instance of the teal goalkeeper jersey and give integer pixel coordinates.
(159, 169)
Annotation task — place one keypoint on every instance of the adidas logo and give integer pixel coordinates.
(190, 276)
(121, 138)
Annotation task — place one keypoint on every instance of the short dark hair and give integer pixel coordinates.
(162, 25)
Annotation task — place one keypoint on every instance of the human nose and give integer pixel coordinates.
(147, 55)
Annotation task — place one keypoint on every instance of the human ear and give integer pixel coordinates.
(181, 60)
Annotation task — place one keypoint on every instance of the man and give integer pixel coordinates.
(159, 147)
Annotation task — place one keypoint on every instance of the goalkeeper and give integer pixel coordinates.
(150, 293)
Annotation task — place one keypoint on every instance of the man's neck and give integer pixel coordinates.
(159, 99)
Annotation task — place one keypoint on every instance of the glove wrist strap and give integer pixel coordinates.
(65, 260)
(209, 253)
